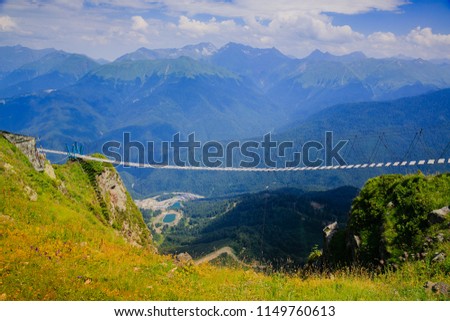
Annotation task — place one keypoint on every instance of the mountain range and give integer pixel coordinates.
(228, 93)
(52, 71)
(232, 92)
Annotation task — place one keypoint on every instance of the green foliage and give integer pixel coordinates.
(315, 254)
(93, 169)
(390, 213)
(412, 204)
(147, 215)
(277, 228)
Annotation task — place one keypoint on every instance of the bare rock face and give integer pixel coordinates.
(112, 188)
(27, 145)
(330, 229)
(114, 196)
(438, 216)
(328, 233)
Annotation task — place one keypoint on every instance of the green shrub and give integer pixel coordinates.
(390, 213)
(315, 254)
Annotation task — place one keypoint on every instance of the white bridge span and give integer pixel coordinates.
(440, 161)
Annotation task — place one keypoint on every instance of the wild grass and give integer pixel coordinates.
(56, 248)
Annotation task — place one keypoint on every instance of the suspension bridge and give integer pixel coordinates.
(440, 161)
(432, 154)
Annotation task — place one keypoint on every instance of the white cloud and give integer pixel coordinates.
(419, 42)
(294, 33)
(312, 26)
(139, 28)
(382, 37)
(267, 8)
(196, 28)
(7, 24)
(426, 37)
(139, 23)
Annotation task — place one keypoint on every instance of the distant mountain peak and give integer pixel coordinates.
(234, 45)
(318, 55)
(196, 52)
(13, 57)
(249, 51)
(142, 49)
(204, 48)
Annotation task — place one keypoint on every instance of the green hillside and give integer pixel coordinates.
(69, 238)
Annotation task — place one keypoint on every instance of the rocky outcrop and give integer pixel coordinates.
(328, 233)
(27, 145)
(121, 215)
(438, 216)
(439, 257)
(111, 187)
(339, 246)
(437, 287)
(117, 208)
(183, 259)
(353, 244)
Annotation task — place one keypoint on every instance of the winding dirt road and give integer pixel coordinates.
(211, 256)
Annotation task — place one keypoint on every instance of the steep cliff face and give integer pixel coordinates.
(123, 214)
(114, 206)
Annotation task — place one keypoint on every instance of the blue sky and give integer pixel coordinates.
(431, 13)
(110, 28)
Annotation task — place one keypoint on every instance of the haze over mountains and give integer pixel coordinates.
(228, 93)
(410, 128)
(52, 71)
